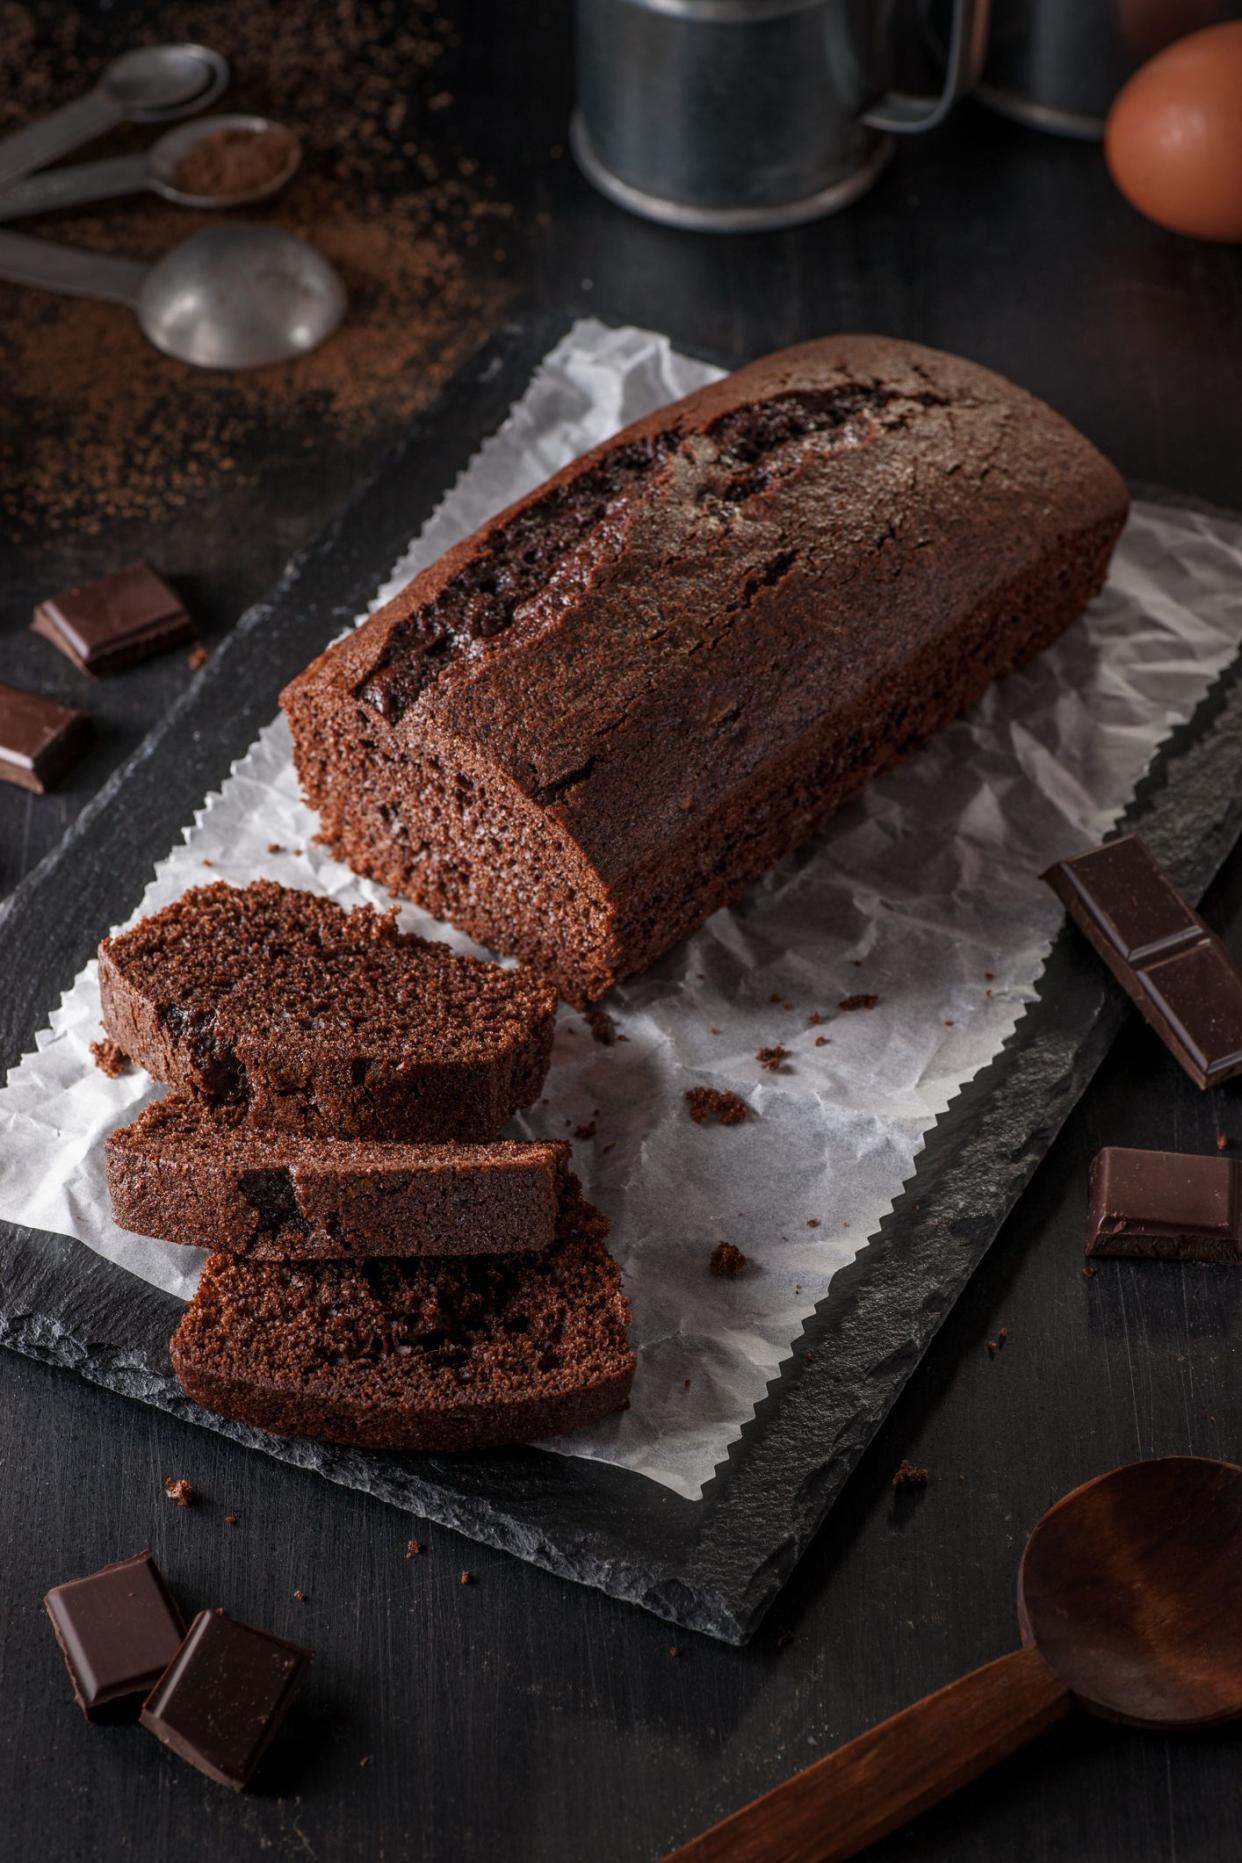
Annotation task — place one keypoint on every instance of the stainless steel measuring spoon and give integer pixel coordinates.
(230, 297)
(155, 169)
(155, 84)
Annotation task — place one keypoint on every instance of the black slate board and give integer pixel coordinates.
(715, 1565)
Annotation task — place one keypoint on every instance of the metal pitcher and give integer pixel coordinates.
(1058, 64)
(735, 116)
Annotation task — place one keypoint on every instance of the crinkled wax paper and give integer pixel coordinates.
(922, 893)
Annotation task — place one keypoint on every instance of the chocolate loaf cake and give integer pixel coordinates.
(311, 1019)
(602, 716)
(461, 1354)
(191, 1173)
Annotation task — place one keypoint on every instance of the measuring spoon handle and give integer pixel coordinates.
(25, 261)
(65, 129)
(70, 187)
(880, 1781)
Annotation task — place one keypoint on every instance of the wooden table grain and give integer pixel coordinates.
(516, 1716)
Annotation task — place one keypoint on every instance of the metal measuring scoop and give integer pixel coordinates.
(155, 84)
(231, 297)
(155, 169)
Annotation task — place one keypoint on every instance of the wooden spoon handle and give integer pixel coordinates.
(887, 1776)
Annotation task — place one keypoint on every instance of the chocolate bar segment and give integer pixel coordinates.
(1164, 1204)
(106, 626)
(1160, 951)
(118, 1631)
(39, 738)
(225, 1695)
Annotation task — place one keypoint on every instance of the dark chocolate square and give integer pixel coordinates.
(39, 738)
(224, 1696)
(111, 624)
(1172, 1205)
(118, 1631)
(1131, 900)
(1199, 994)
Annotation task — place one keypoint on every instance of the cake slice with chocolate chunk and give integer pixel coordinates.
(314, 1020)
(197, 1174)
(441, 1354)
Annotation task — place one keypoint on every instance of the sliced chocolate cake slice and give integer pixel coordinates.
(311, 1019)
(187, 1172)
(443, 1354)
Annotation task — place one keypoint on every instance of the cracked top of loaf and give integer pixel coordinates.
(860, 493)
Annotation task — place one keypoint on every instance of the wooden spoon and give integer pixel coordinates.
(1129, 1604)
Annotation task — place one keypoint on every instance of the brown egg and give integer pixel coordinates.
(1174, 136)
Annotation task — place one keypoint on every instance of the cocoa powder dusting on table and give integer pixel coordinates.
(411, 233)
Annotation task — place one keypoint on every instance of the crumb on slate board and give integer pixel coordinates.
(727, 1259)
(110, 1058)
(908, 1476)
(196, 659)
(715, 1106)
(178, 1489)
(773, 1058)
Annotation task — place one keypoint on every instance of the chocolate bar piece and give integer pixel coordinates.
(118, 1631)
(108, 625)
(1166, 1204)
(1163, 955)
(39, 738)
(224, 1696)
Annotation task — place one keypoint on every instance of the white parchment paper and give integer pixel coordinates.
(923, 893)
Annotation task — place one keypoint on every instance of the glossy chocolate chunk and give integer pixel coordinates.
(224, 1696)
(118, 1631)
(1167, 1204)
(106, 626)
(1177, 971)
(39, 738)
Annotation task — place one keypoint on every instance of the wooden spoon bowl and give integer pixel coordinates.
(1131, 1589)
(1130, 1605)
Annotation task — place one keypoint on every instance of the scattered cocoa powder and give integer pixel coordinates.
(410, 230)
(773, 1058)
(110, 1058)
(727, 1259)
(714, 1105)
(178, 1489)
(859, 1001)
(234, 161)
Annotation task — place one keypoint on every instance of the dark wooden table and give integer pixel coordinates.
(518, 1716)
